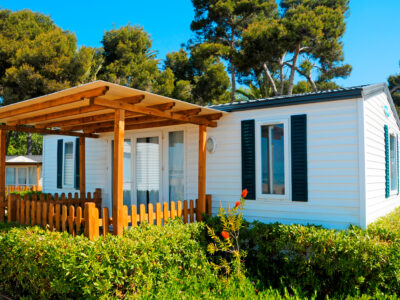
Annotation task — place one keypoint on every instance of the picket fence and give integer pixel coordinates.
(78, 215)
(22, 188)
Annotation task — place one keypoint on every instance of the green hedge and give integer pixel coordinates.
(330, 262)
(148, 262)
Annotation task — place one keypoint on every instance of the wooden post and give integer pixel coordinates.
(3, 153)
(82, 171)
(118, 172)
(201, 208)
(91, 221)
(37, 176)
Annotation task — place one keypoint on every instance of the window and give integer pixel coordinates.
(176, 165)
(69, 164)
(393, 163)
(10, 176)
(272, 159)
(22, 176)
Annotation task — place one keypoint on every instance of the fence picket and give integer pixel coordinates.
(134, 217)
(185, 211)
(166, 214)
(78, 219)
(27, 212)
(158, 214)
(106, 221)
(22, 213)
(179, 210)
(125, 222)
(51, 216)
(71, 218)
(173, 211)
(64, 216)
(44, 214)
(191, 211)
(57, 219)
(38, 213)
(33, 212)
(142, 213)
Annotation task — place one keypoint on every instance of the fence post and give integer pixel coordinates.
(91, 221)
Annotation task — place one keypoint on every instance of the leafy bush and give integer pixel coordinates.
(147, 262)
(330, 262)
(30, 193)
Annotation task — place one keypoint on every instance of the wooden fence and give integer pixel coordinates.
(21, 188)
(68, 214)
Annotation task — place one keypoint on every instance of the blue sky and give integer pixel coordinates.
(371, 42)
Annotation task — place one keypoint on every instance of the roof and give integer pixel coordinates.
(320, 96)
(24, 159)
(90, 108)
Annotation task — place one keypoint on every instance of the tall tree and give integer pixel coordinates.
(37, 58)
(305, 37)
(129, 60)
(220, 23)
(394, 87)
(199, 77)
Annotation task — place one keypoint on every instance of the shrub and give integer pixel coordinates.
(30, 193)
(147, 262)
(330, 262)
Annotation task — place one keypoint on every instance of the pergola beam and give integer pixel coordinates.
(141, 126)
(46, 131)
(128, 121)
(3, 152)
(100, 91)
(57, 115)
(153, 112)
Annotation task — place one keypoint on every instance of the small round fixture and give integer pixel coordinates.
(211, 144)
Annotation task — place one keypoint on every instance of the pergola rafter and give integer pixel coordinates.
(90, 110)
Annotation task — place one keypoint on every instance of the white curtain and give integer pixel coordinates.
(176, 166)
(147, 170)
(21, 176)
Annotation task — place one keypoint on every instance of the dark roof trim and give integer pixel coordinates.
(341, 94)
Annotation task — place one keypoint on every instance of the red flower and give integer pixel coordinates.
(237, 203)
(244, 193)
(225, 235)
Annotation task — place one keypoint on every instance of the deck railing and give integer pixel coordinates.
(22, 188)
(82, 215)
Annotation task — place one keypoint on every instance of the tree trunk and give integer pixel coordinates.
(281, 64)
(29, 144)
(311, 81)
(271, 80)
(293, 69)
(233, 81)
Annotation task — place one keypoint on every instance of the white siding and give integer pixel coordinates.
(375, 119)
(333, 167)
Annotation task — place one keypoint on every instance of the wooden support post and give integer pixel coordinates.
(82, 171)
(91, 221)
(3, 152)
(201, 208)
(118, 172)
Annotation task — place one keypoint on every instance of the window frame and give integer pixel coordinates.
(16, 167)
(73, 164)
(287, 159)
(395, 190)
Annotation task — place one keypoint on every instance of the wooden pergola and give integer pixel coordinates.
(91, 109)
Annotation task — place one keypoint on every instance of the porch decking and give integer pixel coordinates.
(99, 107)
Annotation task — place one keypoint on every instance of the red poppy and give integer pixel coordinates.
(244, 193)
(237, 203)
(225, 235)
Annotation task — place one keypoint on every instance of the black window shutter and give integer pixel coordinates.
(60, 145)
(77, 171)
(249, 158)
(299, 157)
